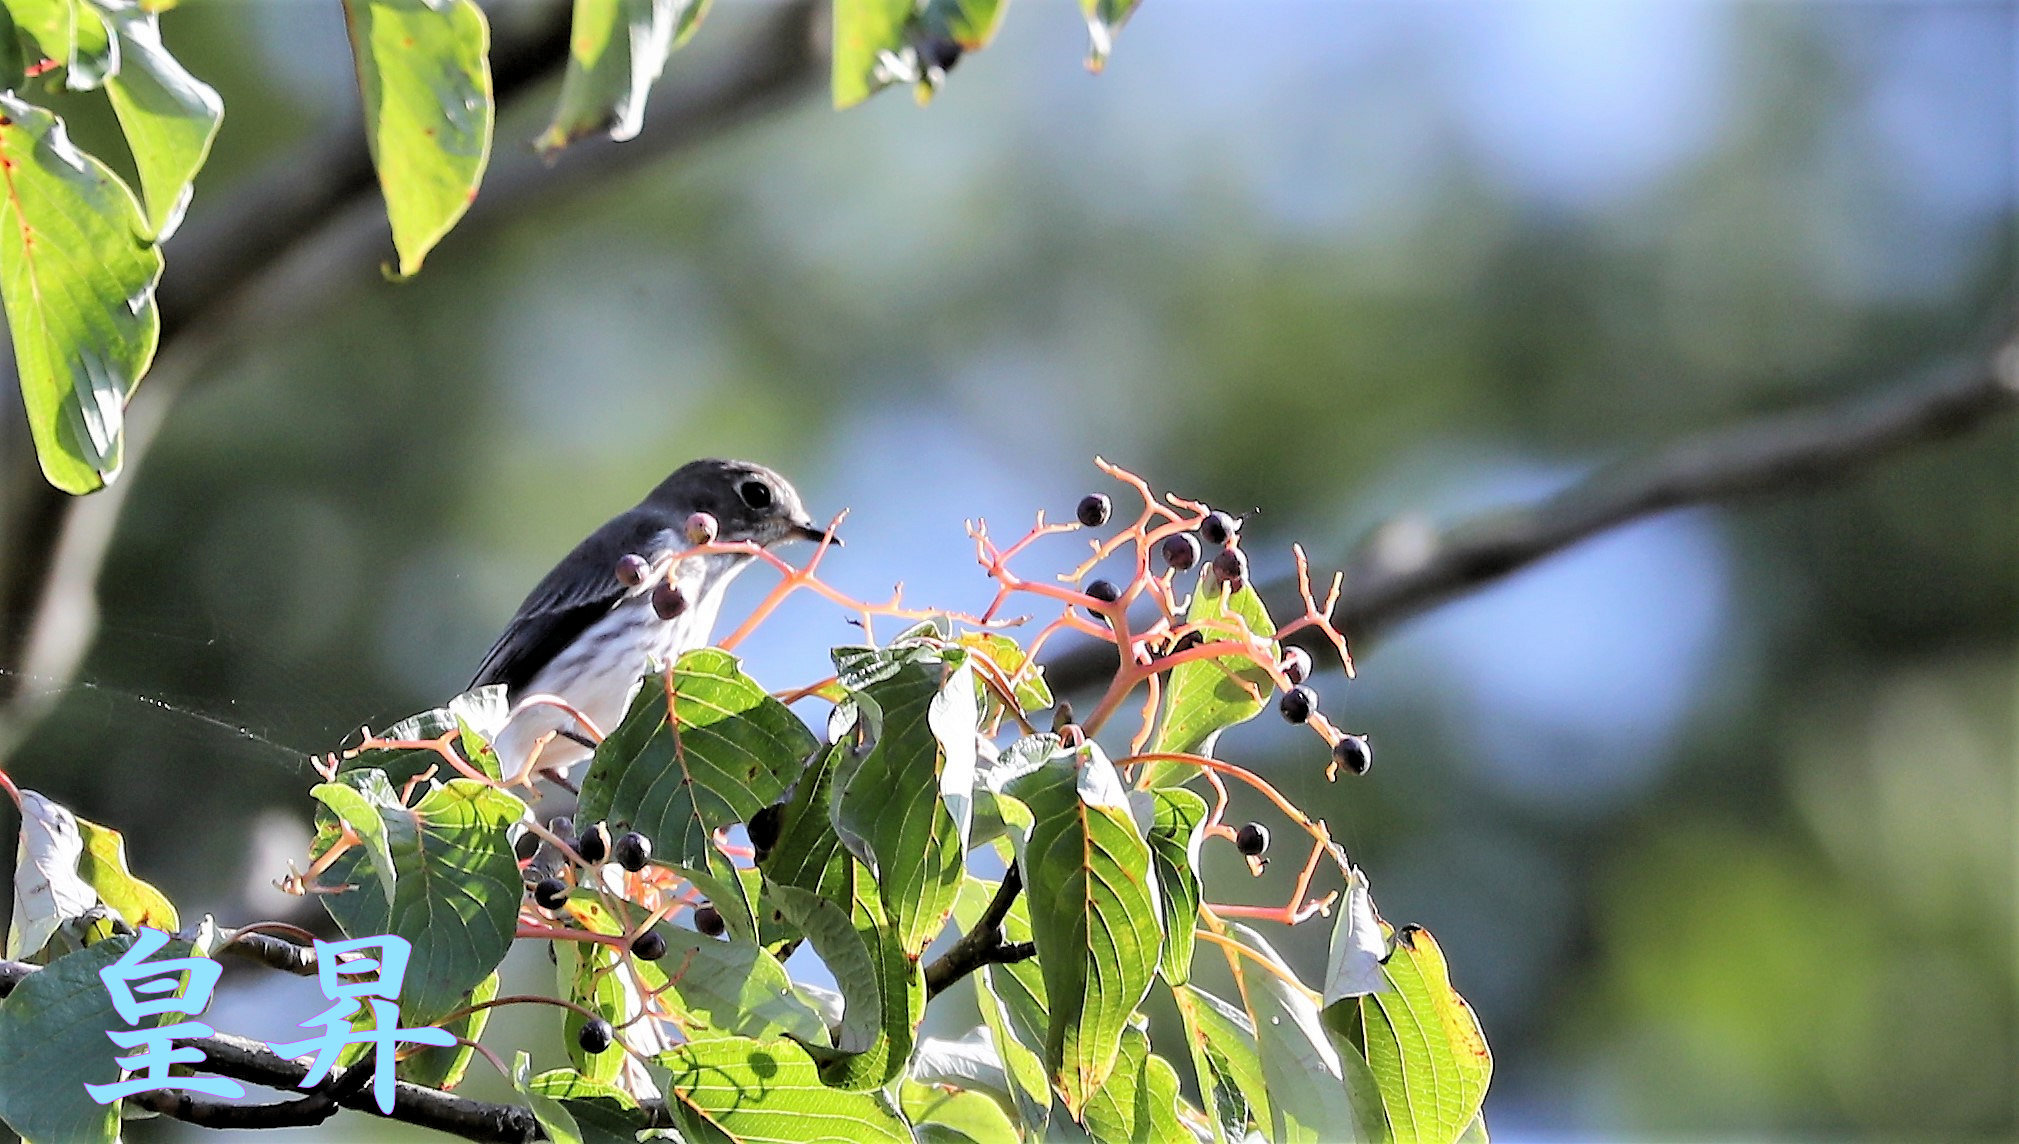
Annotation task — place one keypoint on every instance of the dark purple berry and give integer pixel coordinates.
(632, 570)
(595, 1036)
(1231, 565)
(708, 920)
(632, 851)
(1295, 665)
(668, 601)
(649, 945)
(1094, 509)
(765, 827)
(1353, 753)
(1298, 703)
(550, 893)
(1252, 839)
(1104, 591)
(1218, 527)
(1181, 551)
(593, 844)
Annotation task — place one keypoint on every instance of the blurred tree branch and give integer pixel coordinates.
(1407, 566)
(279, 243)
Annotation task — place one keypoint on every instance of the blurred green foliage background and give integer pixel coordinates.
(1714, 816)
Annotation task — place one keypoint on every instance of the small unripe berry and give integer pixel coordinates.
(1353, 753)
(1298, 703)
(632, 851)
(668, 601)
(1181, 551)
(708, 920)
(1094, 509)
(649, 945)
(1252, 839)
(1218, 527)
(702, 528)
(632, 570)
(1104, 591)
(595, 1036)
(1231, 565)
(1295, 665)
(765, 827)
(593, 844)
(550, 893)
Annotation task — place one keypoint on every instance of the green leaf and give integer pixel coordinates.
(746, 1090)
(1204, 697)
(883, 991)
(906, 807)
(425, 75)
(12, 66)
(1093, 911)
(103, 865)
(616, 52)
(729, 752)
(73, 33)
(48, 891)
(1139, 1100)
(356, 801)
(941, 1115)
(1177, 828)
(78, 280)
(53, 1043)
(1315, 1092)
(1354, 964)
(603, 1113)
(1026, 679)
(969, 23)
(554, 1117)
(456, 891)
(1423, 1043)
(1225, 1063)
(168, 115)
(475, 717)
(1012, 1003)
(863, 31)
(590, 975)
(443, 1067)
(1104, 19)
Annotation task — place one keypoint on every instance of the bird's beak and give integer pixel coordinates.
(810, 532)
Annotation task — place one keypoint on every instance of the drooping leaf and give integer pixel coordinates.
(424, 72)
(603, 1113)
(616, 52)
(727, 751)
(941, 1115)
(1177, 827)
(168, 115)
(73, 33)
(78, 280)
(1225, 1063)
(1353, 966)
(883, 991)
(744, 1090)
(102, 865)
(48, 890)
(1423, 1043)
(1315, 1093)
(555, 1119)
(53, 1043)
(1104, 19)
(971, 1062)
(905, 807)
(1206, 696)
(443, 1066)
(356, 801)
(1093, 911)
(863, 31)
(1026, 679)
(589, 975)
(1139, 1100)
(1012, 1003)
(456, 891)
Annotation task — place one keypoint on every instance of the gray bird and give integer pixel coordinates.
(585, 636)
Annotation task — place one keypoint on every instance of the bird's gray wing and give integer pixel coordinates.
(580, 590)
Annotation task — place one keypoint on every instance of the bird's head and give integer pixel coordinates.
(748, 501)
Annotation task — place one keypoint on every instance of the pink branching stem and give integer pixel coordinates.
(544, 932)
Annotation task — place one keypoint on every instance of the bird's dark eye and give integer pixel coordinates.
(756, 494)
